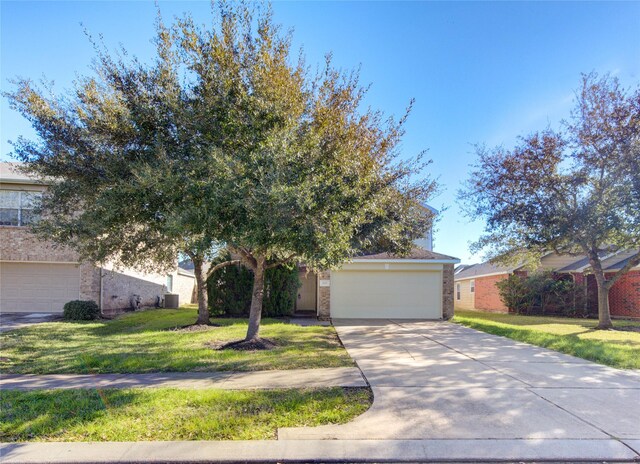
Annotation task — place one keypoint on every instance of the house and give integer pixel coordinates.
(475, 285)
(40, 276)
(383, 286)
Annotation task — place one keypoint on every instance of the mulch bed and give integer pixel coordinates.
(194, 328)
(258, 344)
(628, 328)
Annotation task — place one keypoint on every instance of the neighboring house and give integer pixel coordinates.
(475, 285)
(40, 276)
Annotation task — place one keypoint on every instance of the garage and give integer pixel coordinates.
(387, 290)
(37, 287)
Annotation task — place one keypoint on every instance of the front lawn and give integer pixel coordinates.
(577, 337)
(144, 342)
(171, 414)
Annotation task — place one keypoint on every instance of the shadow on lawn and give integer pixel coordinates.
(47, 413)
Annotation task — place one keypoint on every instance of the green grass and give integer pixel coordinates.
(576, 337)
(171, 414)
(140, 342)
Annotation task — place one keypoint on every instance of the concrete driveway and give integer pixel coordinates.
(438, 380)
(11, 321)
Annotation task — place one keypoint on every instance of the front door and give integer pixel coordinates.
(307, 292)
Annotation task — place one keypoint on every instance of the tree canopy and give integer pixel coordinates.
(574, 191)
(225, 138)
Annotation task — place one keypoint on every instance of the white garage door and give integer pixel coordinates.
(37, 287)
(390, 294)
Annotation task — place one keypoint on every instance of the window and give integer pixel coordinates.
(17, 207)
(457, 291)
(169, 283)
(473, 286)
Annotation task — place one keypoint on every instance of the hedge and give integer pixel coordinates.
(230, 288)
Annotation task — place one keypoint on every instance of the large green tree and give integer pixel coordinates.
(226, 138)
(574, 191)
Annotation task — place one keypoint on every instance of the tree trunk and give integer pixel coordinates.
(201, 289)
(256, 299)
(604, 316)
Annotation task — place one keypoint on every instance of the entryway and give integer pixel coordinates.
(306, 303)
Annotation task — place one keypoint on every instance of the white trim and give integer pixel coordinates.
(22, 181)
(407, 260)
(38, 262)
(185, 273)
(483, 275)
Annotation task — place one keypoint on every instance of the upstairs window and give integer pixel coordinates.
(473, 286)
(17, 207)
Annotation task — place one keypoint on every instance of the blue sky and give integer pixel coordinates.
(480, 72)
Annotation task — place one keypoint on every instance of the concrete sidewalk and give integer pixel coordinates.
(320, 451)
(296, 378)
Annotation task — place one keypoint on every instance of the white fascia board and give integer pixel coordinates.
(77, 263)
(418, 261)
(484, 275)
(23, 181)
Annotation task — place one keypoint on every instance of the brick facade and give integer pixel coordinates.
(447, 291)
(487, 297)
(624, 296)
(18, 244)
(324, 296)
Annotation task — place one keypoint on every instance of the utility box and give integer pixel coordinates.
(171, 300)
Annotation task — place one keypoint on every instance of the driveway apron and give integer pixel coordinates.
(438, 380)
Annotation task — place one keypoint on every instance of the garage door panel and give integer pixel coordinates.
(39, 287)
(393, 294)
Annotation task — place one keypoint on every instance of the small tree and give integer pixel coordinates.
(575, 191)
(298, 172)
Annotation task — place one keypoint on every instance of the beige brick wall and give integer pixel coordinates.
(89, 282)
(185, 286)
(19, 244)
(447, 291)
(119, 286)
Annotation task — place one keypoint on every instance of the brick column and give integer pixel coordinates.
(447, 291)
(90, 282)
(324, 296)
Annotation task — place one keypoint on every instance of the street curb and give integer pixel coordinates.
(315, 451)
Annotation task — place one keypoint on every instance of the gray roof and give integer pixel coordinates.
(416, 253)
(609, 263)
(477, 270)
(576, 265)
(618, 261)
(461, 267)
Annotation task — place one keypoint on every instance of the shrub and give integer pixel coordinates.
(230, 288)
(281, 291)
(514, 293)
(229, 291)
(542, 293)
(80, 310)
